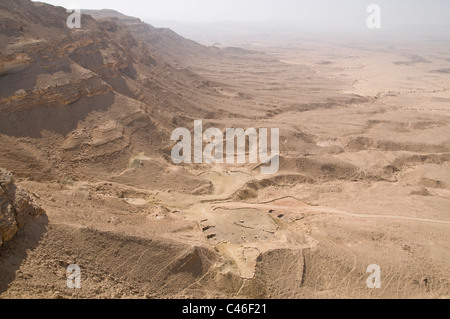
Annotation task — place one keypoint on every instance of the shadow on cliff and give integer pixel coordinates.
(16, 251)
(61, 120)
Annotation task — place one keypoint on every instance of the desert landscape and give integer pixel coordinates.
(86, 117)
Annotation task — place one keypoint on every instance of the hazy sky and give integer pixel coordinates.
(325, 13)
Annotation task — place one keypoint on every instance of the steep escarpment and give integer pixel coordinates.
(73, 98)
(164, 43)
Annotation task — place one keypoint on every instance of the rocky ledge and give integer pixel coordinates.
(17, 207)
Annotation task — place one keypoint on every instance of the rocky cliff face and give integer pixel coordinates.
(77, 103)
(17, 207)
(164, 44)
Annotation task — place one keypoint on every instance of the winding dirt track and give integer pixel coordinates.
(329, 210)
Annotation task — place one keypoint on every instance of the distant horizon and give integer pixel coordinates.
(346, 19)
(346, 15)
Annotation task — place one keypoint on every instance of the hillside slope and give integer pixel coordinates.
(73, 100)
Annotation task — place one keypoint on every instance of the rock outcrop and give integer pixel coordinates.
(17, 207)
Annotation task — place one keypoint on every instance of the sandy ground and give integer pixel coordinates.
(364, 179)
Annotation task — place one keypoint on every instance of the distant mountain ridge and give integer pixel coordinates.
(166, 43)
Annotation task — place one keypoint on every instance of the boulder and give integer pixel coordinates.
(17, 207)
